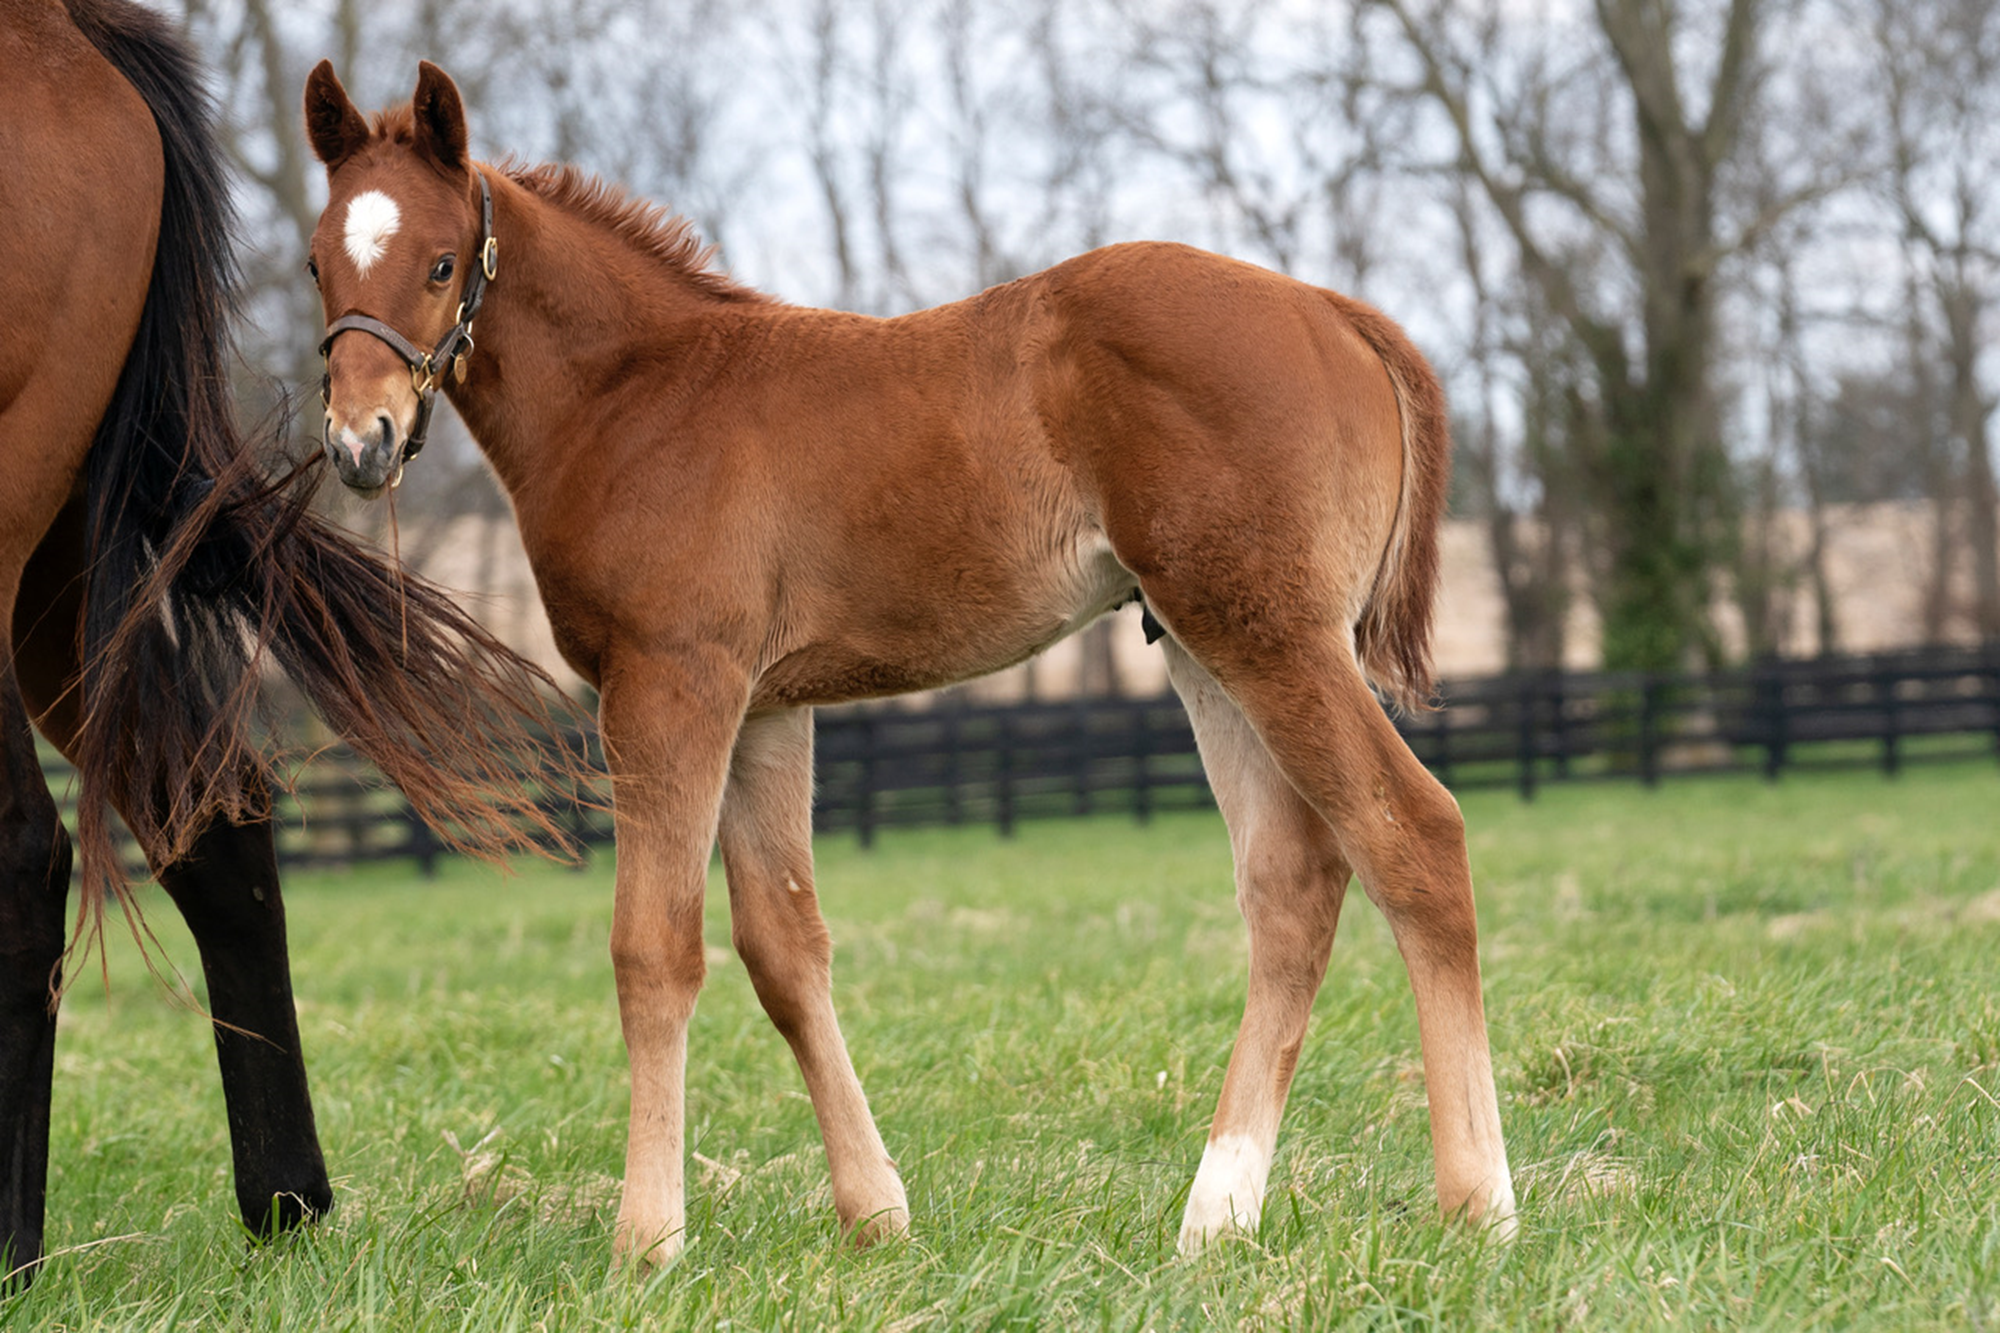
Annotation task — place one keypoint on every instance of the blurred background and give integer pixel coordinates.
(1711, 283)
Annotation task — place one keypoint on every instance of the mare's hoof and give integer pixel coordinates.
(20, 1261)
(268, 1217)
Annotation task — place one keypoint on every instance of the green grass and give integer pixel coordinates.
(1747, 1038)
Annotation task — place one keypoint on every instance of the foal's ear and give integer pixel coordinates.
(335, 129)
(440, 116)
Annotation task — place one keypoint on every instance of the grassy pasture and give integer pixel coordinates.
(1747, 1037)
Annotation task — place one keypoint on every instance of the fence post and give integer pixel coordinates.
(1649, 731)
(1558, 718)
(423, 843)
(1079, 756)
(1892, 722)
(1441, 730)
(1004, 774)
(1142, 766)
(864, 797)
(1777, 722)
(1525, 736)
(579, 829)
(1991, 654)
(954, 748)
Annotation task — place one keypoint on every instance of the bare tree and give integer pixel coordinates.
(1513, 480)
(1605, 151)
(1794, 409)
(1269, 112)
(1939, 64)
(822, 92)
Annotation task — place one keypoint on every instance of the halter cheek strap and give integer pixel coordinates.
(427, 368)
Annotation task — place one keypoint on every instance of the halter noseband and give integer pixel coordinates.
(427, 368)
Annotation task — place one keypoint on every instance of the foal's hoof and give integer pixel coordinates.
(1226, 1200)
(890, 1223)
(1199, 1232)
(1486, 1209)
(641, 1251)
(873, 1208)
(1492, 1213)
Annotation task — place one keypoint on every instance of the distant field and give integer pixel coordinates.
(1747, 1038)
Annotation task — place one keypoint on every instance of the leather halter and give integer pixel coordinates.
(427, 368)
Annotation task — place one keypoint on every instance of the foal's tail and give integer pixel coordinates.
(1393, 637)
(206, 564)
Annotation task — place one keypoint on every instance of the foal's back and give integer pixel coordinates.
(922, 499)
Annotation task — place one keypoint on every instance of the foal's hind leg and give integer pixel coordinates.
(1402, 833)
(1290, 880)
(34, 879)
(775, 922)
(227, 890)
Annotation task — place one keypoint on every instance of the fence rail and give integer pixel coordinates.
(957, 762)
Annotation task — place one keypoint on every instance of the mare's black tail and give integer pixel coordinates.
(206, 563)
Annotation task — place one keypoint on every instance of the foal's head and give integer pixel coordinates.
(395, 250)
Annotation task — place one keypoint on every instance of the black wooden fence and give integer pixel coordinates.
(958, 762)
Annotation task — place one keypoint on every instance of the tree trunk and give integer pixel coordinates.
(1969, 413)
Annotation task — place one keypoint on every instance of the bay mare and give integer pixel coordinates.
(150, 565)
(736, 509)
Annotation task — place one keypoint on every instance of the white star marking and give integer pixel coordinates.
(372, 218)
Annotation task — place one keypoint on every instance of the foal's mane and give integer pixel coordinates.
(647, 227)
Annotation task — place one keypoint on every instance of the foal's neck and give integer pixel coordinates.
(577, 324)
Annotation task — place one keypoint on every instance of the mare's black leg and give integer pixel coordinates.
(227, 889)
(34, 881)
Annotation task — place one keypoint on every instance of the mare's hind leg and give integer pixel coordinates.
(1402, 833)
(34, 879)
(766, 835)
(227, 890)
(1290, 881)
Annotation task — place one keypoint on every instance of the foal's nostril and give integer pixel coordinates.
(386, 428)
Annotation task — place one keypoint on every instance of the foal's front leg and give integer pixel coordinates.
(777, 928)
(668, 726)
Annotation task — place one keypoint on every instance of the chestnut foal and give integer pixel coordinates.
(736, 509)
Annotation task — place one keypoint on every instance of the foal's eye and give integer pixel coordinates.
(441, 271)
(313, 269)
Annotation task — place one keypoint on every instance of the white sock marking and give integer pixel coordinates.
(372, 218)
(1228, 1192)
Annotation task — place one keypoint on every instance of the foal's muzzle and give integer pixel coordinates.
(369, 460)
